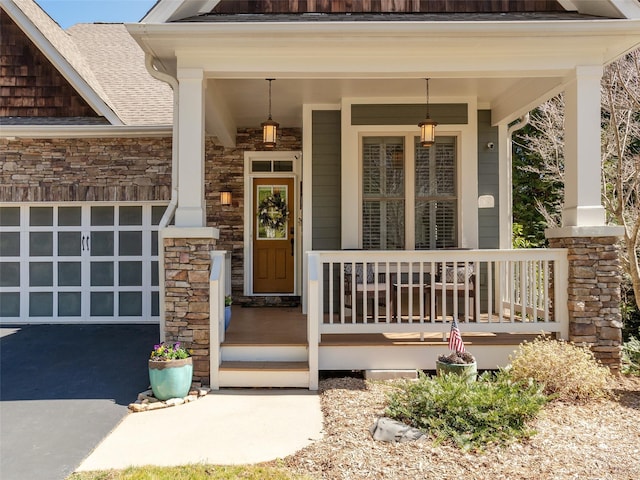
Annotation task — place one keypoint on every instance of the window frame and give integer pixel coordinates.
(409, 183)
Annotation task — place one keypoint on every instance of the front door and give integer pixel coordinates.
(274, 232)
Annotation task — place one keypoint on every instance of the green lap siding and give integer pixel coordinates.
(409, 114)
(326, 198)
(488, 182)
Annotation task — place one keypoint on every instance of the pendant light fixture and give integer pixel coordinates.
(427, 126)
(269, 127)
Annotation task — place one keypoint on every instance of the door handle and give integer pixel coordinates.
(292, 246)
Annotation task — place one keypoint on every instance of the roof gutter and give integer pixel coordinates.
(521, 122)
(402, 28)
(173, 203)
(82, 131)
(173, 83)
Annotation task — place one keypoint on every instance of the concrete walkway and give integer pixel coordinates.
(224, 428)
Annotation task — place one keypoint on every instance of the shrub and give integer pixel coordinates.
(566, 371)
(630, 312)
(469, 415)
(631, 356)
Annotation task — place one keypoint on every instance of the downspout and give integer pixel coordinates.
(522, 122)
(171, 208)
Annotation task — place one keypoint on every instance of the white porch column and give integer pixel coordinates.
(582, 195)
(191, 211)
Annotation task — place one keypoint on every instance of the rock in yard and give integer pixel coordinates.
(389, 430)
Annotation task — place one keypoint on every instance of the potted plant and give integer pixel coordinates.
(170, 371)
(227, 311)
(459, 362)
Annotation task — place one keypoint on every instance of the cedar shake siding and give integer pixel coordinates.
(85, 169)
(386, 6)
(30, 86)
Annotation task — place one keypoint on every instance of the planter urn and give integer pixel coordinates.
(227, 317)
(468, 370)
(171, 378)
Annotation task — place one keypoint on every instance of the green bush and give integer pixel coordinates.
(470, 415)
(631, 356)
(629, 310)
(566, 371)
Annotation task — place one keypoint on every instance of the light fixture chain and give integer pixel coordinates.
(428, 116)
(270, 80)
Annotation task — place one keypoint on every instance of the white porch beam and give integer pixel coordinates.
(523, 97)
(191, 211)
(219, 121)
(582, 194)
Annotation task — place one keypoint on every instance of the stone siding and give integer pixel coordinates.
(187, 264)
(594, 295)
(85, 169)
(224, 167)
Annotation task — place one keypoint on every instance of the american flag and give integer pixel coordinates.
(455, 340)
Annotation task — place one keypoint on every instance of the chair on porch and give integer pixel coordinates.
(462, 275)
(363, 287)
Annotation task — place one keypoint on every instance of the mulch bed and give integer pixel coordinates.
(596, 440)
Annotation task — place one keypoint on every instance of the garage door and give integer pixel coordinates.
(79, 262)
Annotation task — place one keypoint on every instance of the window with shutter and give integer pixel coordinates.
(383, 193)
(435, 195)
(388, 180)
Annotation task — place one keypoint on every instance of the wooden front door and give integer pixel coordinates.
(273, 236)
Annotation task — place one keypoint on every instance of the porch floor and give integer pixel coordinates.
(266, 326)
(288, 326)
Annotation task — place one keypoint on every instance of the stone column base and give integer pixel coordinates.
(594, 294)
(187, 265)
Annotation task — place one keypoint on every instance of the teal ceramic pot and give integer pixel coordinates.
(171, 379)
(469, 370)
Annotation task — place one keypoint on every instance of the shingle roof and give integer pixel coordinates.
(112, 65)
(62, 42)
(119, 65)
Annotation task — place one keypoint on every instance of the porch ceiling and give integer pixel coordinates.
(247, 99)
(508, 67)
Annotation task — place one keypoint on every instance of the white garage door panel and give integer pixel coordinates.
(79, 262)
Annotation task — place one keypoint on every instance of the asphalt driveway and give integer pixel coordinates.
(63, 388)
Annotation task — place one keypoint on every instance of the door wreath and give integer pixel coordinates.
(273, 213)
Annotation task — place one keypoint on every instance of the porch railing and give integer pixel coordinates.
(516, 291)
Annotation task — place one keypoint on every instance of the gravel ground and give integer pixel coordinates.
(598, 440)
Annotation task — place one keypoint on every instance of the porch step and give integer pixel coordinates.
(264, 374)
(275, 366)
(264, 353)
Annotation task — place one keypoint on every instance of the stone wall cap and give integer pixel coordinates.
(587, 231)
(190, 232)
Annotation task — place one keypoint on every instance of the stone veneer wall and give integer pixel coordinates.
(85, 169)
(594, 295)
(224, 167)
(187, 264)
